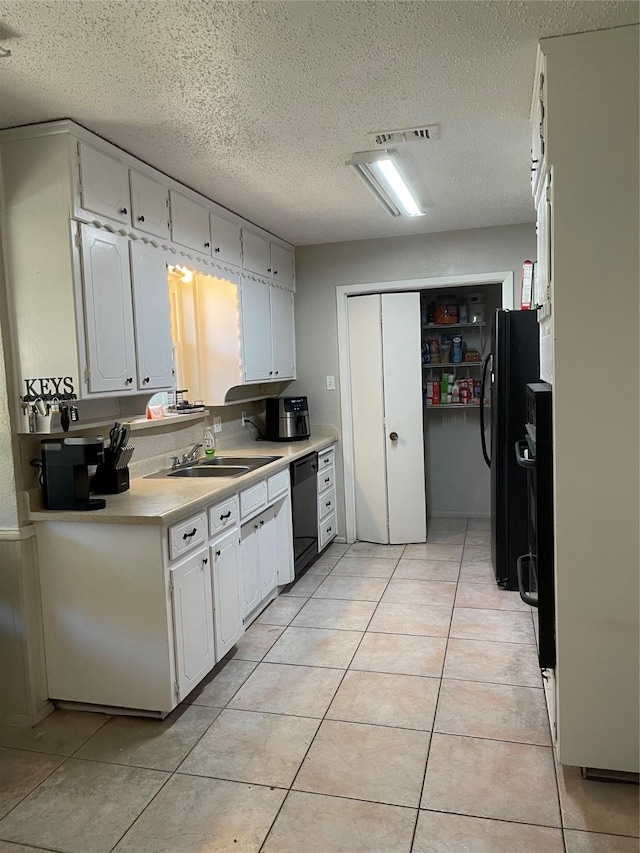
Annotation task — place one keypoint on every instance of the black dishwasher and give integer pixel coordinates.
(304, 509)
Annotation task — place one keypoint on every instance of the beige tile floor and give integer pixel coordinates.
(389, 702)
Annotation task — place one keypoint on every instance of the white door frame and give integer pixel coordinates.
(505, 279)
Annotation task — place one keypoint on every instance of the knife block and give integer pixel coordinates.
(109, 480)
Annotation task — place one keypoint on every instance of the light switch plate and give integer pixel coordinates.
(217, 424)
(331, 383)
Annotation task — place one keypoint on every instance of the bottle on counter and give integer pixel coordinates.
(209, 441)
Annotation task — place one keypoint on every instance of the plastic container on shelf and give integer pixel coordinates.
(447, 310)
(475, 307)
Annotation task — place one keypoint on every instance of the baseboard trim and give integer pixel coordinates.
(17, 534)
(27, 721)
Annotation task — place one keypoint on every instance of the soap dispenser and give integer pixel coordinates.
(209, 441)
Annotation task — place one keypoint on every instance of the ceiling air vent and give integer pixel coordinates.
(425, 133)
(384, 138)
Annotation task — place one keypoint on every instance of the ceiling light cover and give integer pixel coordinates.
(381, 175)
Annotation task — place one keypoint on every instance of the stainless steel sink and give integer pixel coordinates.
(217, 466)
(209, 471)
(251, 462)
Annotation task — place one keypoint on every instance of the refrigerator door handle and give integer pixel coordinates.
(520, 567)
(483, 385)
(522, 459)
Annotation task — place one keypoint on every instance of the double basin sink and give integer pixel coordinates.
(219, 466)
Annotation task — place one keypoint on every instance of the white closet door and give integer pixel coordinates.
(365, 353)
(402, 368)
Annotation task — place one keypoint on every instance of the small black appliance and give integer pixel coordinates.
(65, 472)
(287, 419)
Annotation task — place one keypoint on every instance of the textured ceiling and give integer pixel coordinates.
(258, 104)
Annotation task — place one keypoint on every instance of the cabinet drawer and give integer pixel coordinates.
(325, 479)
(326, 458)
(326, 503)
(223, 516)
(187, 534)
(326, 531)
(253, 499)
(278, 484)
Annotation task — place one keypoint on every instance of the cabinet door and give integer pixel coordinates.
(192, 604)
(284, 541)
(256, 255)
(268, 552)
(108, 311)
(252, 590)
(152, 312)
(190, 224)
(104, 184)
(282, 334)
(281, 264)
(225, 240)
(227, 592)
(150, 205)
(256, 331)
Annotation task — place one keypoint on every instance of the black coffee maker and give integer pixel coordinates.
(65, 472)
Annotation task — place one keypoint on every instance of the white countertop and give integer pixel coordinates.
(167, 499)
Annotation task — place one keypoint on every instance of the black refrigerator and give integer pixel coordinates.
(514, 361)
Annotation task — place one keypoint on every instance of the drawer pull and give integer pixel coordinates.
(205, 561)
(186, 536)
(327, 479)
(217, 553)
(328, 503)
(261, 523)
(225, 515)
(329, 529)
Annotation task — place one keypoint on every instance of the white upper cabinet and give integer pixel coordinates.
(104, 184)
(225, 240)
(256, 330)
(281, 264)
(256, 256)
(282, 335)
(111, 359)
(150, 206)
(152, 313)
(190, 224)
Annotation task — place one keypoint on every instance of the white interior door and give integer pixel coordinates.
(402, 382)
(365, 355)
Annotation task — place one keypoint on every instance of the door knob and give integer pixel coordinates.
(393, 436)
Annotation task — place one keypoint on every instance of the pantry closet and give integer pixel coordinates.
(414, 387)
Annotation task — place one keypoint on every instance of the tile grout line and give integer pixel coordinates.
(65, 758)
(435, 708)
(323, 717)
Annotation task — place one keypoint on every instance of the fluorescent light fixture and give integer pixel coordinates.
(382, 177)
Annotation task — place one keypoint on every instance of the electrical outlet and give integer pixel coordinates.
(217, 424)
(244, 420)
(331, 383)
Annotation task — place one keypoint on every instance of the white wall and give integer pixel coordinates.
(319, 269)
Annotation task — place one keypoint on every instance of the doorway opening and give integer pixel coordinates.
(451, 437)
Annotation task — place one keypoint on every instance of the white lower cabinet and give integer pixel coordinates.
(259, 559)
(226, 568)
(250, 567)
(154, 607)
(192, 607)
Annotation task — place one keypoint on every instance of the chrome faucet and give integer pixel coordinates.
(191, 455)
